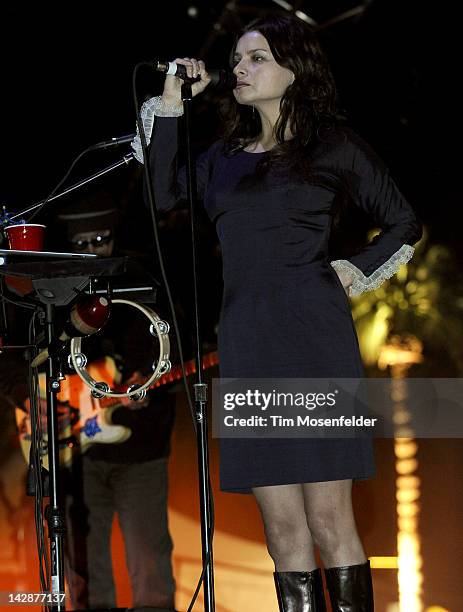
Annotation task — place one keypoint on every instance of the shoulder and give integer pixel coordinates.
(214, 151)
(346, 149)
(217, 147)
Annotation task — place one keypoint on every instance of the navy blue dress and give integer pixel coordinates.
(285, 312)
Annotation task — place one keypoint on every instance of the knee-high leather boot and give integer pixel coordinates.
(350, 588)
(300, 591)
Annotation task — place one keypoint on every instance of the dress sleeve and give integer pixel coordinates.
(161, 129)
(376, 193)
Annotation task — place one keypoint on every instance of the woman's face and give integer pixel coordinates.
(260, 78)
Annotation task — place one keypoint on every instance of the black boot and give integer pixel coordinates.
(350, 588)
(300, 591)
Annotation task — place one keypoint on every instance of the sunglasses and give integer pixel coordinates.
(96, 242)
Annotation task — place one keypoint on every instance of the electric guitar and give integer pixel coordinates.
(84, 420)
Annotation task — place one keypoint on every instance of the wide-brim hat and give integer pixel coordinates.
(95, 211)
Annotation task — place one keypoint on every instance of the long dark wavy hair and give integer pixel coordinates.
(308, 106)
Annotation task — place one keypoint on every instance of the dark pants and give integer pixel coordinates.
(138, 493)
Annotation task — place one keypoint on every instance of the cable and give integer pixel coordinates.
(149, 188)
(154, 222)
(36, 464)
(94, 147)
(63, 180)
(17, 302)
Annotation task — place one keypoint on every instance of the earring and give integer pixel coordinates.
(253, 112)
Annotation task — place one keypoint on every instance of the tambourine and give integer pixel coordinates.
(135, 392)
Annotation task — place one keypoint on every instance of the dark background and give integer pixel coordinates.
(67, 83)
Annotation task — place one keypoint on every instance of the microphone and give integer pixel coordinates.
(120, 140)
(219, 77)
(88, 315)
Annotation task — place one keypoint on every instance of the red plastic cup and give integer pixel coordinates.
(25, 236)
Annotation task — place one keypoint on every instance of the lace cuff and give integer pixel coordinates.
(363, 283)
(154, 107)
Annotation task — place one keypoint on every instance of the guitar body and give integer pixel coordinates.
(83, 419)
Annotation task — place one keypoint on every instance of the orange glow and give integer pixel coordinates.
(399, 355)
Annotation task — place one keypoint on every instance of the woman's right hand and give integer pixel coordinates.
(173, 85)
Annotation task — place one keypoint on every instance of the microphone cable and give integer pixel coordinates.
(149, 191)
(94, 147)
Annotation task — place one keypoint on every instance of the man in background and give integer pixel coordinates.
(129, 478)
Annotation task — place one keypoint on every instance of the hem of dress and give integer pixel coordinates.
(248, 490)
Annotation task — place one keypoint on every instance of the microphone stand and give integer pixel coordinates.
(125, 160)
(200, 388)
(54, 513)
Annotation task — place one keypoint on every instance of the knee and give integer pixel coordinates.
(285, 538)
(330, 527)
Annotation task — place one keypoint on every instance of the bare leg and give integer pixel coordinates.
(331, 521)
(289, 542)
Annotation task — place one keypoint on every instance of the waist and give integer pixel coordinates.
(280, 272)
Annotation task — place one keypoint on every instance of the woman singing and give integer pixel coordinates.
(273, 186)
